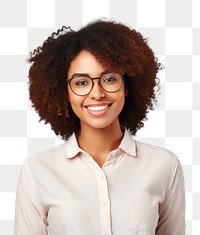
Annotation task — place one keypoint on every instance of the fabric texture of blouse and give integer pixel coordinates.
(138, 191)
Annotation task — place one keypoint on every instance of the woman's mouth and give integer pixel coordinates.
(98, 109)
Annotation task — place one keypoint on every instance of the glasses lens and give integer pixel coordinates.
(81, 85)
(111, 82)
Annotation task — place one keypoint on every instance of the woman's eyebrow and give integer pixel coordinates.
(87, 75)
(80, 75)
(105, 72)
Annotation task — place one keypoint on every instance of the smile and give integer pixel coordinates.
(97, 108)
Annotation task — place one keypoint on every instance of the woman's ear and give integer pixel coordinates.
(68, 98)
(67, 113)
(125, 88)
(126, 91)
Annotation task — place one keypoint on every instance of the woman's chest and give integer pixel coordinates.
(90, 205)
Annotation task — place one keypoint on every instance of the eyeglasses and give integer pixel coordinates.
(81, 84)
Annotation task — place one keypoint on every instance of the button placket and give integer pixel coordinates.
(104, 204)
(104, 201)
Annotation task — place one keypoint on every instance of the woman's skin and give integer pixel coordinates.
(100, 130)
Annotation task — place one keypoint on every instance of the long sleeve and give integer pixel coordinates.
(29, 216)
(172, 209)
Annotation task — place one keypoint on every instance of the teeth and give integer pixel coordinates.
(97, 108)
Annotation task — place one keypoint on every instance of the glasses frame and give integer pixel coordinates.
(68, 80)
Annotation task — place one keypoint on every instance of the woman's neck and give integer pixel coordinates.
(99, 142)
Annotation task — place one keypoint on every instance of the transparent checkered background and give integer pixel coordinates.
(173, 27)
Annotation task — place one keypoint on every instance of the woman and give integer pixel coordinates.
(95, 87)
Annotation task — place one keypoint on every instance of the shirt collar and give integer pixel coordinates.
(71, 147)
(127, 145)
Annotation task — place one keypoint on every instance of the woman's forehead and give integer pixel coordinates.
(86, 62)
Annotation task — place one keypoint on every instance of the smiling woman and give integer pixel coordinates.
(97, 104)
(95, 88)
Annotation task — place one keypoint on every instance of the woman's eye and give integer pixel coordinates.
(109, 79)
(81, 83)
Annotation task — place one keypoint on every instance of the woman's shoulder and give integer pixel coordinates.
(41, 165)
(47, 156)
(156, 154)
(147, 152)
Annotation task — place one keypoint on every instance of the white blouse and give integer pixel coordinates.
(138, 191)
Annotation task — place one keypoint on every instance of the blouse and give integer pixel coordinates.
(139, 190)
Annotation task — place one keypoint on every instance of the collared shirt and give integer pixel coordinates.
(138, 191)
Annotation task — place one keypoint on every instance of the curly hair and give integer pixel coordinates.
(118, 48)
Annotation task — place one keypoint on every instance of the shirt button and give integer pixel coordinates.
(101, 178)
(104, 203)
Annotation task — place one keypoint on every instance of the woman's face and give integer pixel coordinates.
(98, 109)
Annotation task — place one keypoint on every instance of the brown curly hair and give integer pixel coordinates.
(118, 48)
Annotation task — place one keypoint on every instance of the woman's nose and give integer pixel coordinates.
(97, 92)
